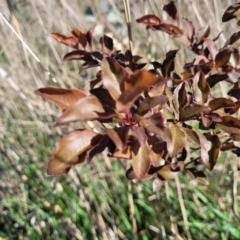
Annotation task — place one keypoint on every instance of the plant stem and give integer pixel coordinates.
(128, 20)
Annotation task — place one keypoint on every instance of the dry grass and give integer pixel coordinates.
(94, 201)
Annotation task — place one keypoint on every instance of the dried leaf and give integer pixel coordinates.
(140, 159)
(158, 148)
(130, 174)
(188, 29)
(69, 41)
(88, 64)
(69, 149)
(62, 97)
(140, 134)
(214, 151)
(235, 37)
(182, 95)
(149, 20)
(124, 154)
(86, 109)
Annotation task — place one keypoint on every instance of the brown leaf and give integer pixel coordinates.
(140, 134)
(140, 159)
(214, 151)
(198, 175)
(62, 97)
(86, 109)
(191, 111)
(201, 34)
(169, 28)
(215, 78)
(188, 29)
(229, 124)
(69, 149)
(158, 148)
(177, 140)
(150, 102)
(167, 173)
(168, 63)
(80, 36)
(154, 124)
(221, 103)
(89, 36)
(222, 57)
(103, 95)
(124, 154)
(77, 55)
(192, 136)
(171, 10)
(130, 174)
(158, 88)
(212, 47)
(235, 37)
(119, 136)
(88, 64)
(182, 95)
(107, 44)
(149, 20)
(135, 85)
(113, 75)
(69, 41)
(231, 12)
(201, 88)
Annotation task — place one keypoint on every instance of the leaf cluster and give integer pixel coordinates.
(162, 121)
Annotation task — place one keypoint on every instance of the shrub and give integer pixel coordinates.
(162, 122)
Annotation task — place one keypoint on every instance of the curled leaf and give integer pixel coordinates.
(149, 20)
(69, 41)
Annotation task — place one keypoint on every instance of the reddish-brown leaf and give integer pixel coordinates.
(77, 55)
(140, 159)
(119, 136)
(212, 47)
(171, 10)
(113, 75)
(89, 36)
(107, 44)
(149, 20)
(148, 103)
(86, 109)
(135, 85)
(229, 124)
(80, 36)
(223, 56)
(168, 63)
(69, 41)
(177, 140)
(221, 103)
(201, 88)
(124, 154)
(191, 111)
(62, 97)
(201, 34)
(69, 149)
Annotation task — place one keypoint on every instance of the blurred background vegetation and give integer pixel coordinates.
(95, 201)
